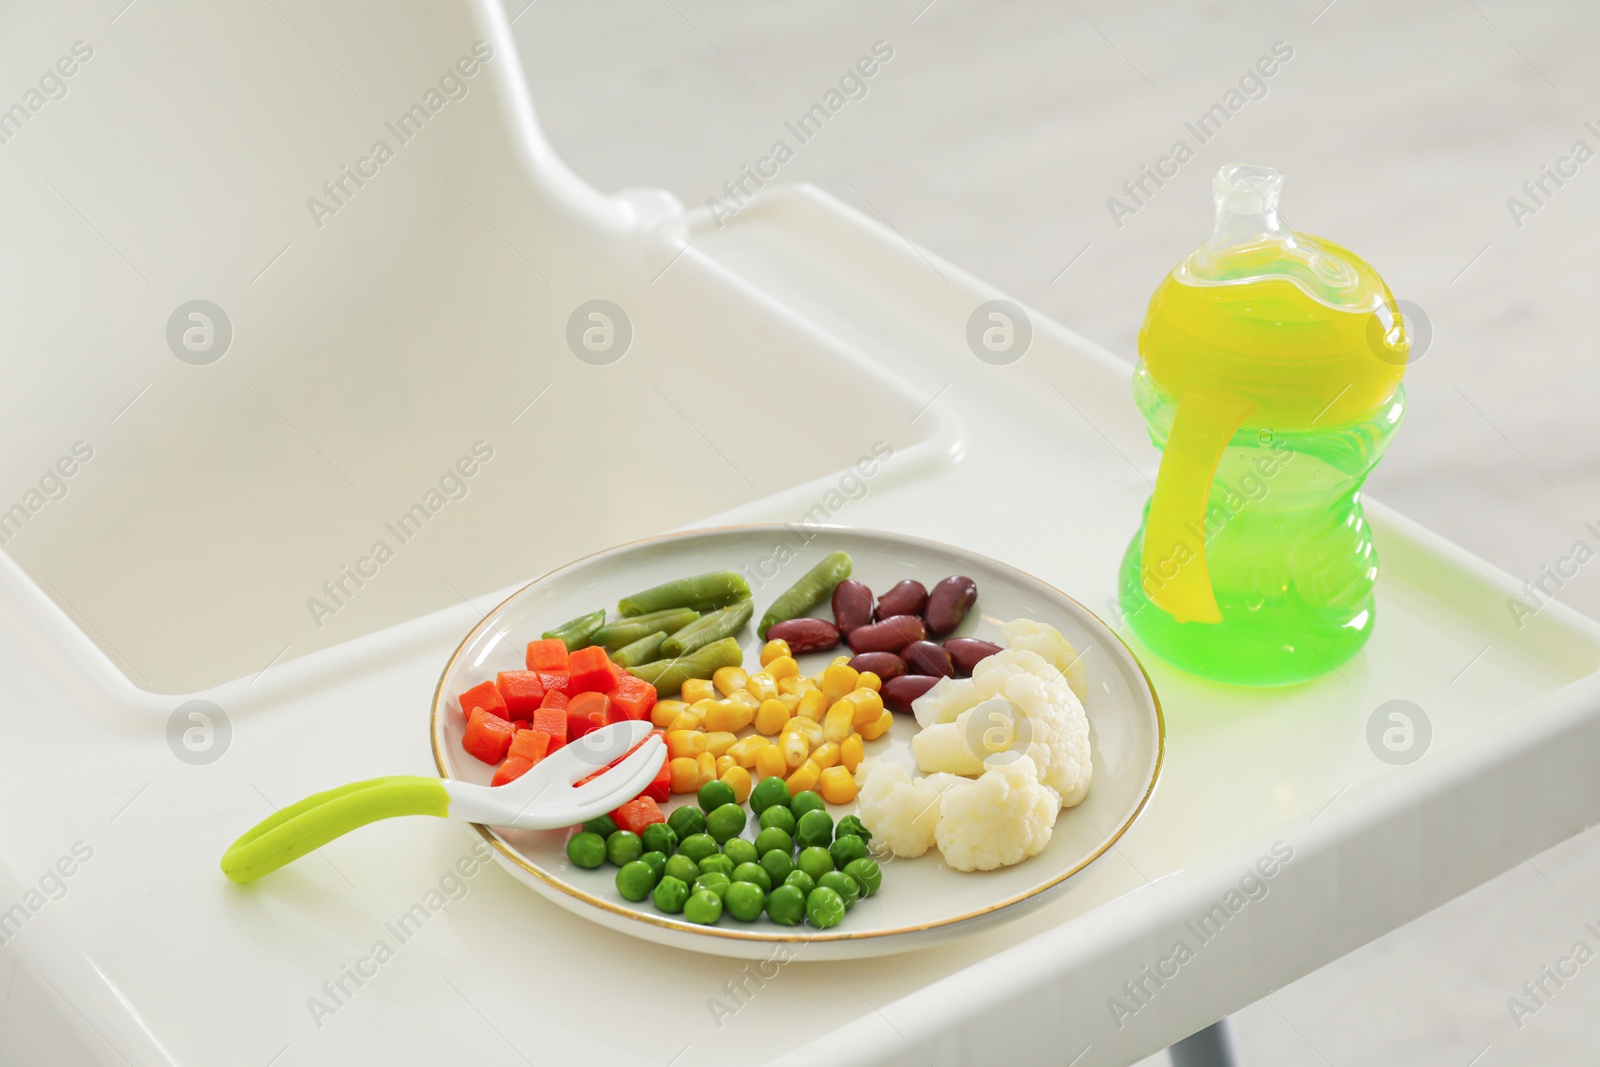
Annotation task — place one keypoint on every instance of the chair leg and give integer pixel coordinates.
(1212, 1047)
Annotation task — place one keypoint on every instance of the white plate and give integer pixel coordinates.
(922, 901)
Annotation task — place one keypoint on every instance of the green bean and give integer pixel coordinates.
(575, 633)
(614, 635)
(701, 592)
(644, 650)
(713, 627)
(808, 592)
(668, 675)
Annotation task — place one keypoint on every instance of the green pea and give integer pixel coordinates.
(782, 818)
(744, 900)
(704, 907)
(727, 822)
(768, 793)
(801, 881)
(715, 794)
(682, 868)
(719, 863)
(659, 837)
(698, 846)
(773, 839)
(814, 828)
(824, 907)
(850, 826)
(842, 884)
(670, 894)
(867, 874)
(657, 862)
(713, 882)
(777, 865)
(604, 825)
(815, 861)
(805, 801)
(753, 872)
(847, 848)
(687, 821)
(786, 905)
(587, 850)
(623, 847)
(740, 851)
(635, 880)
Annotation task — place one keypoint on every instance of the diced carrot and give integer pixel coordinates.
(487, 697)
(590, 671)
(531, 745)
(521, 690)
(488, 736)
(636, 814)
(513, 768)
(634, 696)
(554, 698)
(661, 788)
(557, 682)
(552, 721)
(547, 655)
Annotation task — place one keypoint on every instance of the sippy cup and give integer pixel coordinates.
(1269, 375)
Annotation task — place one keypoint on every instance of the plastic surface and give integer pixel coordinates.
(1268, 377)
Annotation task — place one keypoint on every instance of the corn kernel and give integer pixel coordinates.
(837, 786)
(837, 680)
(685, 772)
(868, 705)
(719, 743)
(788, 686)
(840, 720)
(706, 764)
(698, 689)
(851, 752)
(795, 749)
(769, 762)
(812, 705)
(871, 681)
(685, 743)
(665, 711)
(809, 729)
(839, 661)
(687, 721)
(774, 650)
(783, 667)
(790, 701)
(745, 699)
(744, 750)
(725, 764)
(804, 777)
(728, 680)
(804, 685)
(770, 717)
(762, 685)
(826, 754)
(729, 716)
(874, 730)
(737, 779)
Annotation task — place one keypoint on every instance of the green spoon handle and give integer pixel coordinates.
(291, 832)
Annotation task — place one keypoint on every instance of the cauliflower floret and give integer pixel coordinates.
(948, 698)
(900, 810)
(1001, 818)
(1047, 641)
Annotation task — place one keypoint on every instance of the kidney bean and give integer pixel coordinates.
(905, 598)
(890, 635)
(805, 635)
(925, 657)
(898, 693)
(966, 652)
(852, 605)
(948, 603)
(886, 665)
